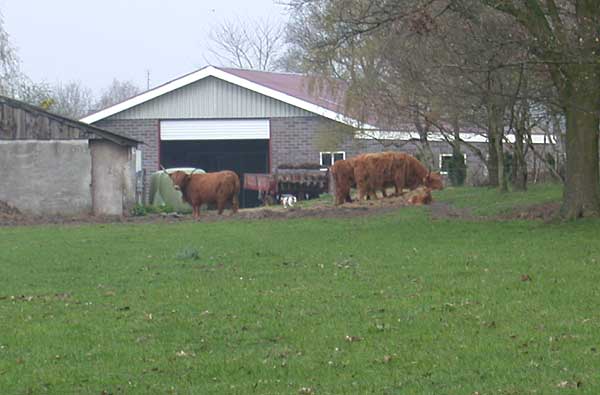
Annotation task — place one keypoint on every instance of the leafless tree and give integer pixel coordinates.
(10, 73)
(253, 44)
(72, 100)
(117, 92)
(556, 38)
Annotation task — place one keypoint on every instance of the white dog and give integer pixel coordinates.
(288, 200)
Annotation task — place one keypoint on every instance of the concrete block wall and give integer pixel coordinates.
(113, 175)
(62, 170)
(144, 130)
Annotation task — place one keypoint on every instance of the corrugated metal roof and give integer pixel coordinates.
(327, 94)
(304, 92)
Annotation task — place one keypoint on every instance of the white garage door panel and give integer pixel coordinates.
(209, 129)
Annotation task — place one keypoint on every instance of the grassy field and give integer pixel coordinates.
(488, 202)
(389, 304)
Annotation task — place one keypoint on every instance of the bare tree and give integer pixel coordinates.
(72, 100)
(557, 38)
(256, 44)
(564, 37)
(117, 92)
(9, 64)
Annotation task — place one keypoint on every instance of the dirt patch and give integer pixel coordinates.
(442, 210)
(438, 210)
(546, 212)
(318, 210)
(7, 209)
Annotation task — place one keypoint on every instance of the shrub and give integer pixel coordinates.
(457, 169)
(139, 210)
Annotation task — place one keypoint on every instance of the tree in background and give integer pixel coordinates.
(71, 100)
(474, 52)
(117, 92)
(10, 73)
(13, 82)
(248, 44)
(564, 35)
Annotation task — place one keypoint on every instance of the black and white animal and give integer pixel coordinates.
(288, 200)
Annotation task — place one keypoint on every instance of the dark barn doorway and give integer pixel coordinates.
(241, 156)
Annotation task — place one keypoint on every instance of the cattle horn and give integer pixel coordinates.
(162, 168)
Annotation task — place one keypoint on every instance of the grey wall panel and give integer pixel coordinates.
(212, 98)
(113, 175)
(46, 177)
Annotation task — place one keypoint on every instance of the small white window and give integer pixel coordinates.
(329, 158)
(445, 162)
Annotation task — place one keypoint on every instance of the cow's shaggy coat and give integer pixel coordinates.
(343, 175)
(222, 187)
(375, 172)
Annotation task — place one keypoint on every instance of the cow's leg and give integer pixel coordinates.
(338, 197)
(220, 205)
(373, 194)
(341, 195)
(235, 203)
(362, 194)
(196, 211)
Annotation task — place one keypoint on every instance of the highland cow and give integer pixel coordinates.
(343, 175)
(197, 189)
(376, 172)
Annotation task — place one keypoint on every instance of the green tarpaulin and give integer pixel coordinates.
(162, 192)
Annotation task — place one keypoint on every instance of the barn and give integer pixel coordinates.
(51, 165)
(250, 122)
(221, 118)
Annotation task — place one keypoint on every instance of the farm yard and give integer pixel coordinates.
(471, 295)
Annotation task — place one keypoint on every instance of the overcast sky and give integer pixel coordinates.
(96, 41)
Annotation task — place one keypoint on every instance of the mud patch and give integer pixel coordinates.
(316, 210)
(546, 212)
(442, 210)
(7, 209)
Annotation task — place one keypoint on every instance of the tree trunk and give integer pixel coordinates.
(496, 151)
(492, 162)
(581, 197)
(426, 153)
(519, 179)
(502, 179)
(519, 164)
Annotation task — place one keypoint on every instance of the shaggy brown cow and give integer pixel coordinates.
(197, 189)
(371, 172)
(375, 172)
(343, 174)
(411, 173)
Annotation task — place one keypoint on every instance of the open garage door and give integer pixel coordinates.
(214, 145)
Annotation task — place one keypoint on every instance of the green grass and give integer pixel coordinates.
(489, 202)
(265, 307)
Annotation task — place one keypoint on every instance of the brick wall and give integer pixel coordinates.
(297, 140)
(300, 140)
(145, 130)
(292, 140)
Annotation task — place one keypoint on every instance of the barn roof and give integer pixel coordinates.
(298, 90)
(89, 130)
